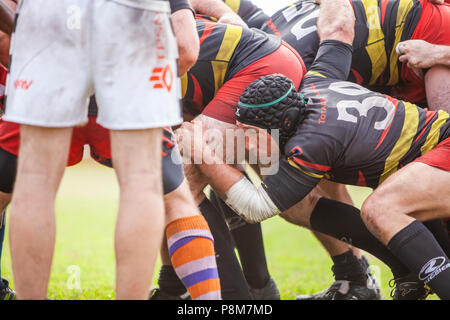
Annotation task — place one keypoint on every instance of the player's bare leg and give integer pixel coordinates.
(43, 157)
(392, 213)
(184, 221)
(140, 221)
(6, 293)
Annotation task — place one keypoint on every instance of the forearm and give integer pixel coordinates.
(213, 8)
(220, 176)
(251, 203)
(6, 18)
(443, 55)
(336, 21)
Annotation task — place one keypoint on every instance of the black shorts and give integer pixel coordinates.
(172, 166)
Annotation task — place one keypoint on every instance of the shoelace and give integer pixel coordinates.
(402, 291)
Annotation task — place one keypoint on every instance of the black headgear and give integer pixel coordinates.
(272, 102)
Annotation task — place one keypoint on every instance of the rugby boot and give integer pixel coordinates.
(268, 292)
(347, 290)
(408, 288)
(158, 294)
(6, 293)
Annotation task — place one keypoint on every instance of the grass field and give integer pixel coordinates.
(83, 265)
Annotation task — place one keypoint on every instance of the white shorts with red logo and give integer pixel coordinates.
(63, 51)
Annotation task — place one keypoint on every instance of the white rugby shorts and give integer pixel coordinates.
(64, 51)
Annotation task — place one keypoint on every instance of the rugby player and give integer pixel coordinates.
(375, 61)
(398, 21)
(345, 133)
(182, 216)
(54, 128)
(349, 263)
(230, 58)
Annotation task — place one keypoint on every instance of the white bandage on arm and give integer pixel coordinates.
(251, 203)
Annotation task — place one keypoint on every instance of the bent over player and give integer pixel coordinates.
(343, 132)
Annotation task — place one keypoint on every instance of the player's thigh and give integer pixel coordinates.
(43, 154)
(300, 213)
(335, 191)
(437, 85)
(419, 190)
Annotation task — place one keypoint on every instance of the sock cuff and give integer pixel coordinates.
(187, 225)
(405, 235)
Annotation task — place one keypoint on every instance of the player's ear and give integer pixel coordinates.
(290, 119)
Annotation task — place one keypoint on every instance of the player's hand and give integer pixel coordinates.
(437, 1)
(191, 140)
(417, 54)
(232, 18)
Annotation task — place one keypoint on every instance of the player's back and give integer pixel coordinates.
(224, 51)
(379, 26)
(366, 136)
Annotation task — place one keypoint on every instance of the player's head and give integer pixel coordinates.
(272, 102)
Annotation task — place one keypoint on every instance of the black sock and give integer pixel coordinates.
(169, 282)
(439, 231)
(232, 280)
(348, 267)
(365, 264)
(344, 222)
(417, 248)
(249, 242)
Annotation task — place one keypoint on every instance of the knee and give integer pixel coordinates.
(374, 211)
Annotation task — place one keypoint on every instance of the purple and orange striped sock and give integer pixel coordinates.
(191, 250)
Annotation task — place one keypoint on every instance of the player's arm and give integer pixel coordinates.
(293, 181)
(335, 26)
(423, 55)
(7, 16)
(218, 9)
(185, 30)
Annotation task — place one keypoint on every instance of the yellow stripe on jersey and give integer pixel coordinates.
(184, 85)
(233, 4)
(229, 43)
(311, 174)
(404, 7)
(314, 73)
(375, 43)
(433, 136)
(403, 144)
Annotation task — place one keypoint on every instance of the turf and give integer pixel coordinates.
(83, 265)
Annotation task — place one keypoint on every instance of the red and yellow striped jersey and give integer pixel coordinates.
(224, 51)
(350, 134)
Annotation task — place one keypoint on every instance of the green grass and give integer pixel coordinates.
(86, 209)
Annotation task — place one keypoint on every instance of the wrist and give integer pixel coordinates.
(442, 55)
